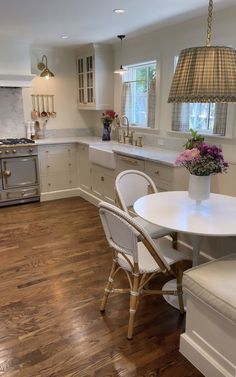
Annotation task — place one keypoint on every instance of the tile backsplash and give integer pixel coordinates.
(11, 113)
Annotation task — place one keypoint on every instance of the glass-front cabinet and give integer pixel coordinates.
(85, 81)
(95, 77)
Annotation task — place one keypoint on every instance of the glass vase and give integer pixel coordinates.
(106, 134)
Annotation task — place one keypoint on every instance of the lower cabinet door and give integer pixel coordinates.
(109, 189)
(103, 183)
(97, 182)
(57, 183)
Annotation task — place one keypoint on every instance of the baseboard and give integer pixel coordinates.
(187, 249)
(201, 359)
(61, 194)
(89, 197)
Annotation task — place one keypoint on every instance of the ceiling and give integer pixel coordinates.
(42, 22)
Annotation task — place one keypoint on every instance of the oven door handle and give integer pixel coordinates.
(6, 173)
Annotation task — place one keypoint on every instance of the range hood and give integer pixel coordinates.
(15, 64)
(10, 80)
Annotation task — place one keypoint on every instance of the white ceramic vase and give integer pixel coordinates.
(199, 187)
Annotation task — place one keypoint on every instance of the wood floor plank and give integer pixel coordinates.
(54, 263)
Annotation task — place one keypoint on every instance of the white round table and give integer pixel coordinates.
(175, 210)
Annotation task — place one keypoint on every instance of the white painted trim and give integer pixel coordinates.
(89, 197)
(23, 81)
(45, 196)
(208, 366)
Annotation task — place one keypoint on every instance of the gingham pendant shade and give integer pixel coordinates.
(205, 74)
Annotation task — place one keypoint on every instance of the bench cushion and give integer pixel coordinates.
(215, 284)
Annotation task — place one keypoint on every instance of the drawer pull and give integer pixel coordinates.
(48, 166)
(129, 160)
(102, 179)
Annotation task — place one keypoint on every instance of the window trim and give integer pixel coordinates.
(134, 126)
(230, 122)
(230, 131)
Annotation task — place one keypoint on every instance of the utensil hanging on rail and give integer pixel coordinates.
(34, 112)
(48, 110)
(53, 113)
(43, 113)
(38, 106)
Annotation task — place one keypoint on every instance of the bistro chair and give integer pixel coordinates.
(131, 185)
(140, 257)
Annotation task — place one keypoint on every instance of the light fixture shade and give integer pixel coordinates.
(43, 66)
(121, 70)
(47, 73)
(205, 74)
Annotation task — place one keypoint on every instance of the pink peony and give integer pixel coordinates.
(188, 155)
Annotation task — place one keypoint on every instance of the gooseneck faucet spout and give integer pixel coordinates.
(124, 117)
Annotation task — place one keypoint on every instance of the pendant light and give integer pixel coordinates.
(43, 66)
(121, 70)
(206, 73)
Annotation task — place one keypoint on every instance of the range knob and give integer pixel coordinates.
(14, 151)
(7, 151)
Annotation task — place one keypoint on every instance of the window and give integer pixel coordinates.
(207, 118)
(139, 94)
(204, 117)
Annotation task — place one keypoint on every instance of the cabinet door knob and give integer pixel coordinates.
(102, 178)
(157, 172)
(69, 164)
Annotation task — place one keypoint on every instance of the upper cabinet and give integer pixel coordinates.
(95, 77)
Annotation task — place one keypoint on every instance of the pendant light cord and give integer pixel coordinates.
(209, 22)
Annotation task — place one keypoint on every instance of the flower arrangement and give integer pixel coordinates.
(109, 116)
(201, 158)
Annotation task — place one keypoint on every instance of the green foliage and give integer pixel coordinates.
(194, 141)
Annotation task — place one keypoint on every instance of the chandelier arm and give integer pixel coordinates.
(209, 22)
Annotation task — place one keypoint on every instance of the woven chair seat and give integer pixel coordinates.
(146, 262)
(154, 231)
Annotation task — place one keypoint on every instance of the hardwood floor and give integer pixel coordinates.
(54, 263)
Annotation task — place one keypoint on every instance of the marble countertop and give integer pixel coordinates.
(163, 156)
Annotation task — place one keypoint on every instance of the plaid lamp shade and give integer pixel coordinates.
(205, 74)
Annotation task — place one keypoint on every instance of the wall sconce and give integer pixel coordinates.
(205, 74)
(43, 66)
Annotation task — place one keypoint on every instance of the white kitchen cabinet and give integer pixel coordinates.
(58, 171)
(166, 177)
(84, 169)
(95, 77)
(103, 183)
(129, 163)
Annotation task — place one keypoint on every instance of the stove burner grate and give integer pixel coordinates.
(14, 141)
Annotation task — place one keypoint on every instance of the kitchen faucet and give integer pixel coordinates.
(127, 124)
(127, 136)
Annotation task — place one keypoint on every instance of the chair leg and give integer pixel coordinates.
(174, 237)
(134, 296)
(179, 277)
(108, 287)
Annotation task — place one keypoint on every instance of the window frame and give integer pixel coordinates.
(230, 121)
(157, 94)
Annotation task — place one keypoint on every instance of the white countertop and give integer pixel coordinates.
(163, 156)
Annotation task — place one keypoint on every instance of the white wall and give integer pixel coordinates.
(15, 57)
(163, 45)
(62, 63)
